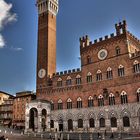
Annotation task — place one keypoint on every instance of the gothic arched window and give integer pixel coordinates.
(69, 104)
(52, 105)
(102, 122)
(109, 73)
(90, 102)
(78, 80)
(68, 81)
(59, 82)
(113, 122)
(121, 72)
(60, 104)
(89, 77)
(136, 67)
(138, 95)
(124, 99)
(126, 121)
(88, 59)
(79, 103)
(91, 123)
(111, 99)
(100, 100)
(99, 75)
(80, 123)
(118, 50)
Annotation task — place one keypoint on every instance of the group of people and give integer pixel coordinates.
(105, 134)
(3, 138)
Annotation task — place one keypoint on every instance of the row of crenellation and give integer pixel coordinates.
(121, 28)
(133, 36)
(66, 72)
(84, 41)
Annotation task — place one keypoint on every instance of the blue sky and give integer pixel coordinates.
(75, 19)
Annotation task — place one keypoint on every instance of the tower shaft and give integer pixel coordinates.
(46, 50)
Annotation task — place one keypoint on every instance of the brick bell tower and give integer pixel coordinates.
(46, 51)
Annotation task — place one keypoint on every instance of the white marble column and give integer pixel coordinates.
(56, 125)
(39, 123)
(75, 125)
(107, 124)
(86, 125)
(65, 126)
(96, 124)
(120, 124)
(26, 124)
(48, 121)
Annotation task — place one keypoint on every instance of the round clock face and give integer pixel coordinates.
(41, 73)
(102, 54)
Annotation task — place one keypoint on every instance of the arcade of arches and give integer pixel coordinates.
(37, 116)
(118, 118)
(40, 118)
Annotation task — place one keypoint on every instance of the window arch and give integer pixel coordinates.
(78, 76)
(89, 77)
(79, 103)
(113, 122)
(78, 79)
(138, 95)
(68, 81)
(70, 124)
(60, 104)
(59, 82)
(118, 50)
(69, 100)
(102, 122)
(91, 123)
(59, 101)
(109, 73)
(90, 101)
(69, 104)
(80, 123)
(124, 99)
(136, 67)
(111, 99)
(121, 72)
(99, 75)
(100, 100)
(126, 121)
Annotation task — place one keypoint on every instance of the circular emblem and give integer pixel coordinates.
(41, 73)
(102, 54)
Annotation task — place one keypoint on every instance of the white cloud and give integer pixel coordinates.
(2, 42)
(16, 49)
(5, 17)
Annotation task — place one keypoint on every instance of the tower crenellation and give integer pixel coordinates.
(121, 27)
(84, 41)
(47, 5)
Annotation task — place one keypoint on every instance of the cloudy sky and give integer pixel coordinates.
(18, 34)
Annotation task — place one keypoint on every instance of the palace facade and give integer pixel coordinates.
(103, 94)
